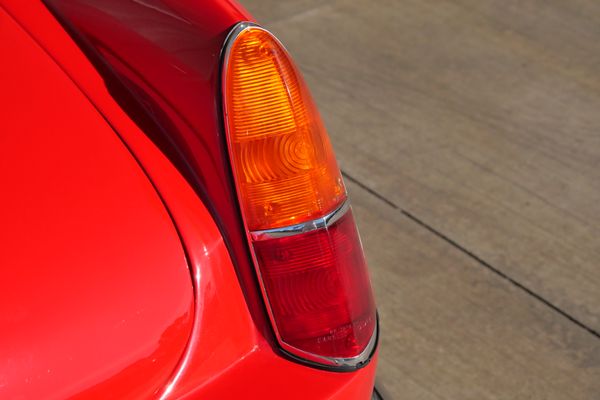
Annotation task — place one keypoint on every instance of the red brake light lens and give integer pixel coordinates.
(306, 248)
(318, 288)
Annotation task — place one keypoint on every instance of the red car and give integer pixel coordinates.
(174, 222)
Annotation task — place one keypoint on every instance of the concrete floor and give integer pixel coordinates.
(469, 134)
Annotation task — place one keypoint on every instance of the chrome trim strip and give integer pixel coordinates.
(314, 360)
(341, 364)
(235, 31)
(304, 227)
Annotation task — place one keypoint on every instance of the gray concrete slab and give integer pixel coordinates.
(478, 124)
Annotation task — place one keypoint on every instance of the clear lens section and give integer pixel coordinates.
(318, 287)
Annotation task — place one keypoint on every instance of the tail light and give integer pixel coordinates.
(302, 234)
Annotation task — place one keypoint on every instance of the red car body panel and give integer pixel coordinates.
(87, 246)
(165, 55)
(226, 351)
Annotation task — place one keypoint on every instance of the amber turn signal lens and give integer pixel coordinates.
(284, 166)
